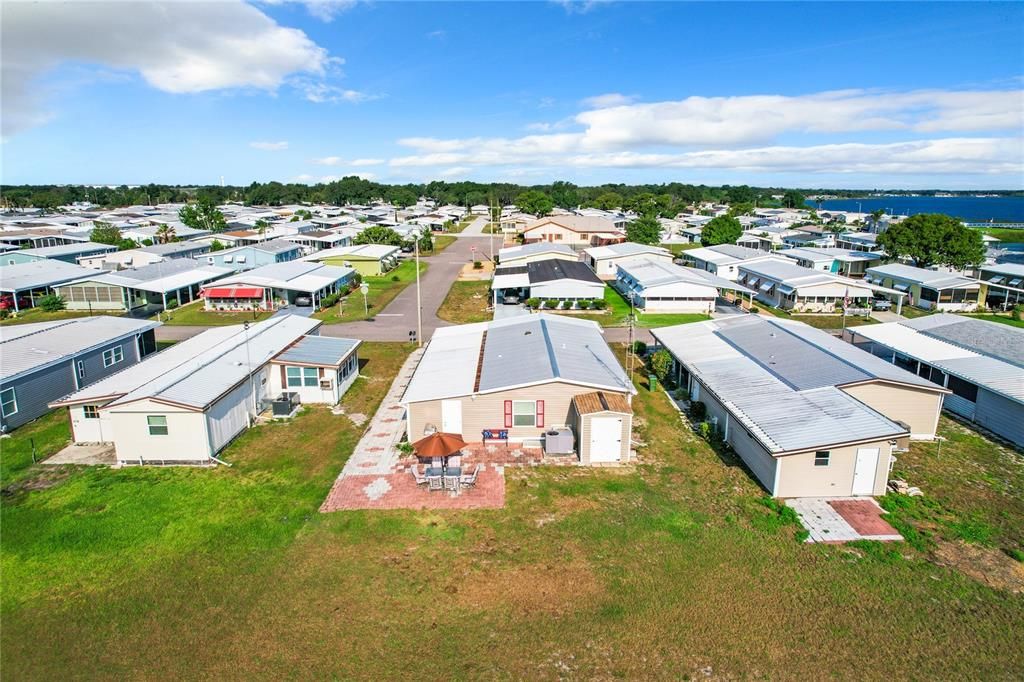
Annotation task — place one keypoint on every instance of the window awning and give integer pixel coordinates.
(1015, 282)
(901, 287)
(233, 292)
(996, 280)
(784, 289)
(766, 286)
(752, 282)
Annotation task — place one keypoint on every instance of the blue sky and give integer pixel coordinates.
(828, 94)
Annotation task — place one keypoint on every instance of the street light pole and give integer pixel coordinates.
(419, 308)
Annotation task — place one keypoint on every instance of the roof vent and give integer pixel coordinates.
(527, 332)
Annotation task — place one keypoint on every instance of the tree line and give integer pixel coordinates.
(663, 199)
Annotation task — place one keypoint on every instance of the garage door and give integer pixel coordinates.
(605, 439)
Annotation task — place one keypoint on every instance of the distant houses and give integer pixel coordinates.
(928, 289)
(274, 286)
(367, 259)
(575, 231)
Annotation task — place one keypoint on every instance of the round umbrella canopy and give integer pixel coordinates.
(439, 445)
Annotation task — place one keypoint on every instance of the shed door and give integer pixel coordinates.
(451, 416)
(606, 439)
(864, 471)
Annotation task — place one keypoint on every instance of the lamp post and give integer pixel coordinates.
(364, 289)
(419, 307)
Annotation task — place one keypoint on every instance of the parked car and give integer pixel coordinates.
(881, 304)
(510, 299)
(7, 302)
(303, 301)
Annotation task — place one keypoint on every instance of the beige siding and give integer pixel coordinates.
(583, 435)
(487, 411)
(186, 438)
(750, 451)
(556, 234)
(917, 408)
(798, 477)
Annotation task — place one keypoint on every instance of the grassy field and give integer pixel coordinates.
(466, 302)
(383, 290)
(443, 241)
(193, 315)
(679, 248)
(675, 568)
(40, 315)
(617, 314)
(1005, 235)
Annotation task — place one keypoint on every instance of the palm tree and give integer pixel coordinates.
(261, 226)
(165, 234)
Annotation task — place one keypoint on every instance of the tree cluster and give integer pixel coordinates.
(934, 239)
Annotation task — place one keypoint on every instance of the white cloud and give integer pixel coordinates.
(579, 6)
(324, 10)
(321, 92)
(455, 171)
(757, 119)
(744, 133)
(338, 161)
(177, 47)
(269, 146)
(439, 34)
(611, 99)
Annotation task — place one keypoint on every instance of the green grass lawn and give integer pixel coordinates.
(1002, 319)
(617, 314)
(466, 302)
(193, 315)
(443, 242)
(675, 568)
(383, 290)
(40, 315)
(818, 321)
(679, 248)
(1004, 234)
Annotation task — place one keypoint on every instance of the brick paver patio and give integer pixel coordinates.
(842, 519)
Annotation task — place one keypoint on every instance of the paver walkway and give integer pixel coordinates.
(842, 520)
(375, 453)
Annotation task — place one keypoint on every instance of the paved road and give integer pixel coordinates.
(475, 228)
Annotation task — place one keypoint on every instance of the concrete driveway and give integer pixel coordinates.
(502, 311)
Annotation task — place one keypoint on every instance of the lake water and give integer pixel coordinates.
(970, 209)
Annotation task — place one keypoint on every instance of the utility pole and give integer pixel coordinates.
(630, 352)
(419, 307)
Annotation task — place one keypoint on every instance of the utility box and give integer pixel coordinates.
(285, 404)
(559, 442)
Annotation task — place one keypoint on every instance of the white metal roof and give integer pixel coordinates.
(625, 249)
(38, 274)
(932, 279)
(194, 373)
(989, 372)
(725, 254)
(513, 253)
(29, 347)
(658, 278)
(378, 251)
(161, 277)
(517, 351)
(781, 385)
(292, 275)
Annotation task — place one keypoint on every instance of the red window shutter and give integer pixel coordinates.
(540, 414)
(508, 414)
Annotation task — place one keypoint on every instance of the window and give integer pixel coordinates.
(964, 389)
(8, 402)
(81, 369)
(524, 413)
(821, 458)
(302, 376)
(157, 425)
(229, 259)
(91, 412)
(112, 356)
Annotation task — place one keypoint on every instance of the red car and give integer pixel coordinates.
(7, 302)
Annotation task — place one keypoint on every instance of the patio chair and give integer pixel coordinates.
(451, 482)
(469, 480)
(434, 483)
(420, 478)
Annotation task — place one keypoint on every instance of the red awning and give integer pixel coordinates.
(233, 292)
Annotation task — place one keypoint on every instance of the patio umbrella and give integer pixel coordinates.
(439, 444)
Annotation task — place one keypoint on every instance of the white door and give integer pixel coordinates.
(606, 439)
(864, 471)
(451, 416)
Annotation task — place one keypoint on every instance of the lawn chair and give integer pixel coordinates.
(420, 478)
(435, 483)
(451, 482)
(469, 480)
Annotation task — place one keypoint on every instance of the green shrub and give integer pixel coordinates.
(704, 430)
(599, 304)
(477, 265)
(51, 303)
(639, 348)
(551, 303)
(681, 394)
(172, 303)
(395, 278)
(584, 304)
(4, 313)
(533, 303)
(698, 410)
(1018, 312)
(661, 364)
